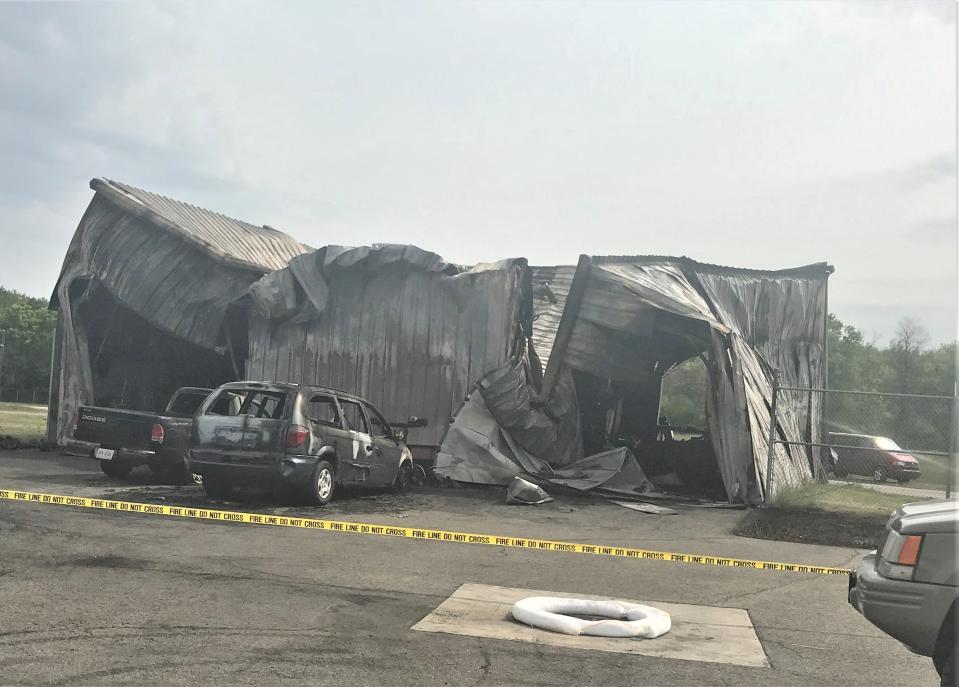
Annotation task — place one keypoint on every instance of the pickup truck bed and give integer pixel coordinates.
(122, 439)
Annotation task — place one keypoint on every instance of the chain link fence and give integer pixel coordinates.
(37, 396)
(874, 450)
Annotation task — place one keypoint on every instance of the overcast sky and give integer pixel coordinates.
(755, 134)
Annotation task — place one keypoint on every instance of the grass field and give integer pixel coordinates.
(933, 472)
(847, 497)
(23, 421)
(837, 515)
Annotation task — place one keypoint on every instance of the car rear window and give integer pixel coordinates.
(250, 402)
(228, 402)
(185, 404)
(264, 404)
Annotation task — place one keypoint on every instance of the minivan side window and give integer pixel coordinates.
(354, 416)
(228, 402)
(381, 428)
(322, 410)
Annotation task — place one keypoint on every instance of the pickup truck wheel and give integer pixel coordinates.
(114, 468)
(322, 484)
(217, 487)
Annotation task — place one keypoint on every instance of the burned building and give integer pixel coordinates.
(142, 296)
(609, 329)
(551, 372)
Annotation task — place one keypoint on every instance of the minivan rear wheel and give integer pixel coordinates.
(322, 484)
(879, 474)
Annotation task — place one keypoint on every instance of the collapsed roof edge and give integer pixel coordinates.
(130, 203)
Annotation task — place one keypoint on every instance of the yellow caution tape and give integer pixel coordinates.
(407, 532)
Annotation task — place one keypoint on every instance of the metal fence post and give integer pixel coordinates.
(771, 436)
(953, 441)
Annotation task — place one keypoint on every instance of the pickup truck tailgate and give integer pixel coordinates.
(114, 428)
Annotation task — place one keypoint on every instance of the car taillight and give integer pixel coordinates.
(903, 458)
(157, 434)
(296, 436)
(900, 553)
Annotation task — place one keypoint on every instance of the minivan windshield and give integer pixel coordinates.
(887, 444)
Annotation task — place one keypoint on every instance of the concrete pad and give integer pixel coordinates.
(699, 633)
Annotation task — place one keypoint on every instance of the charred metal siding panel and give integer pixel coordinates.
(413, 341)
(782, 317)
(550, 289)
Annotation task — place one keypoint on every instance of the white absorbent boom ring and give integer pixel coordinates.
(626, 619)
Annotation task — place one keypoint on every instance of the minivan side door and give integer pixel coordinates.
(327, 428)
(387, 457)
(363, 451)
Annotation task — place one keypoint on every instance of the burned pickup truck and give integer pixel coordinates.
(309, 438)
(122, 439)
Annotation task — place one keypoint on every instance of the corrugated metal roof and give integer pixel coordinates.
(263, 247)
(814, 270)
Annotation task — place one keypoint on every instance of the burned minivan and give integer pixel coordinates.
(305, 437)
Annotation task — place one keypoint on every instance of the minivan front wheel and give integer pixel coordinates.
(322, 484)
(404, 478)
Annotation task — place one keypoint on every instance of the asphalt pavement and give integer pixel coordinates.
(93, 597)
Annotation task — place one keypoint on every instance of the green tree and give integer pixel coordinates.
(27, 327)
(684, 394)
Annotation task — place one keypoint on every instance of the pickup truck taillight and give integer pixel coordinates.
(76, 421)
(296, 436)
(157, 433)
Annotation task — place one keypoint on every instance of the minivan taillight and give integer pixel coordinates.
(157, 433)
(296, 436)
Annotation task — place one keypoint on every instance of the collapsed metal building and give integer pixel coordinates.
(142, 296)
(550, 372)
(609, 329)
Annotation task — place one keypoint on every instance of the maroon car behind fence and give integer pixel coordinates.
(880, 458)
